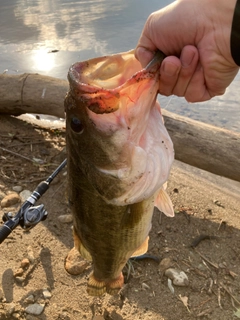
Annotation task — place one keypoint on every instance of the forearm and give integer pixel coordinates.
(235, 34)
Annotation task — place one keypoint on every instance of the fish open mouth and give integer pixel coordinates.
(101, 81)
(105, 73)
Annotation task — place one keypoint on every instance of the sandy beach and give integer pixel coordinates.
(202, 240)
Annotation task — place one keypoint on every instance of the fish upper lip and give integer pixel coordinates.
(77, 81)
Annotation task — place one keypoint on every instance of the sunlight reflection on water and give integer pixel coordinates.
(47, 36)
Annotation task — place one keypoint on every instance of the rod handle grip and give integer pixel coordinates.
(4, 232)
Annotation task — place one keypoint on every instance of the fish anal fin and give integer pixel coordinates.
(79, 246)
(164, 203)
(142, 249)
(74, 263)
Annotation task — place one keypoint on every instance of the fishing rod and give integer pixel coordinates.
(28, 216)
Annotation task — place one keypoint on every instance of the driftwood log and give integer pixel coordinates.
(201, 145)
(32, 93)
(205, 146)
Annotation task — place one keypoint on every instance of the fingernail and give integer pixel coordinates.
(170, 69)
(187, 58)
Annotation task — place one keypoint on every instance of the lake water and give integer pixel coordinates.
(47, 36)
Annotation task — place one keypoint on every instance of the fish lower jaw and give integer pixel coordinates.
(97, 287)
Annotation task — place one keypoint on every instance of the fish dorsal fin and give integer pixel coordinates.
(142, 249)
(164, 203)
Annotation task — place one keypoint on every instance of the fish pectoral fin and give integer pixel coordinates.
(79, 246)
(142, 249)
(164, 203)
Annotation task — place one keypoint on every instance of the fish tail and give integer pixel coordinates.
(97, 288)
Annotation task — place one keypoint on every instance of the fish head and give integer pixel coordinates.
(115, 131)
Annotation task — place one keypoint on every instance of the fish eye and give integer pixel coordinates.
(76, 125)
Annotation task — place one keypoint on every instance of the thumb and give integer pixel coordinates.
(146, 48)
(144, 55)
(153, 36)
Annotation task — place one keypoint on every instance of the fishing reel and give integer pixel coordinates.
(29, 215)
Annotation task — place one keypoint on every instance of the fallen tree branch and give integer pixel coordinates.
(32, 93)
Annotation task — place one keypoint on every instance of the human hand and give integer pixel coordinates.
(195, 36)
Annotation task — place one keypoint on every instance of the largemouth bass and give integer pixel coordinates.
(119, 157)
